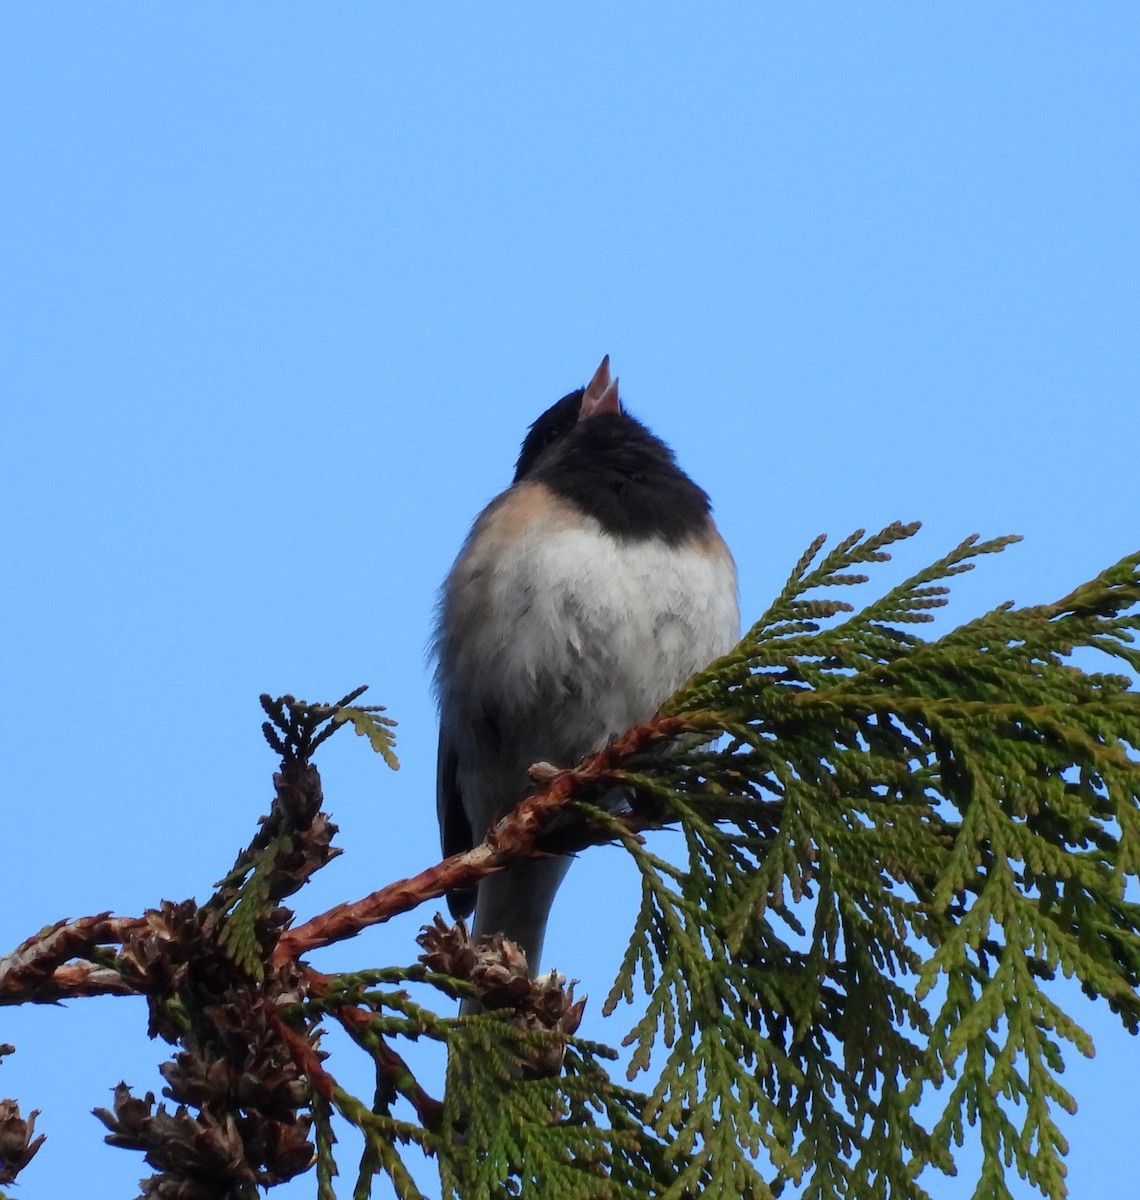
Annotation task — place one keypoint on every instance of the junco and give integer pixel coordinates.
(584, 596)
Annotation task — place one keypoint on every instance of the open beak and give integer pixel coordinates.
(601, 395)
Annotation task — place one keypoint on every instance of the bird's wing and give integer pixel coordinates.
(454, 828)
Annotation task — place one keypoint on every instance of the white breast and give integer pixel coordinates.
(568, 635)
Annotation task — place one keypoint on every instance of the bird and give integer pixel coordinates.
(583, 597)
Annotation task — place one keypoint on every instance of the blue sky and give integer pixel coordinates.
(285, 284)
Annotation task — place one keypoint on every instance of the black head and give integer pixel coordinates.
(588, 450)
(551, 427)
(599, 396)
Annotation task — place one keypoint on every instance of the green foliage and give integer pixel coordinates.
(902, 842)
(249, 906)
(527, 1112)
(377, 729)
(889, 847)
(572, 1134)
(296, 729)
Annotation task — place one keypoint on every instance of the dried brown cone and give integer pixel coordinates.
(18, 1145)
(205, 1155)
(296, 812)
(498, 969)
(200, 1158)
(241, 1096)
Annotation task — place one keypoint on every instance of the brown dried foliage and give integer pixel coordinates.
(248, 1064)
(18, 1143)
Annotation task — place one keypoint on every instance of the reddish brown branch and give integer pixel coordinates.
(305, 1055)
(357, 1021)
(39, 969)
(218, 976)
(428, 1109)
(514, 838)
(50, 966)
